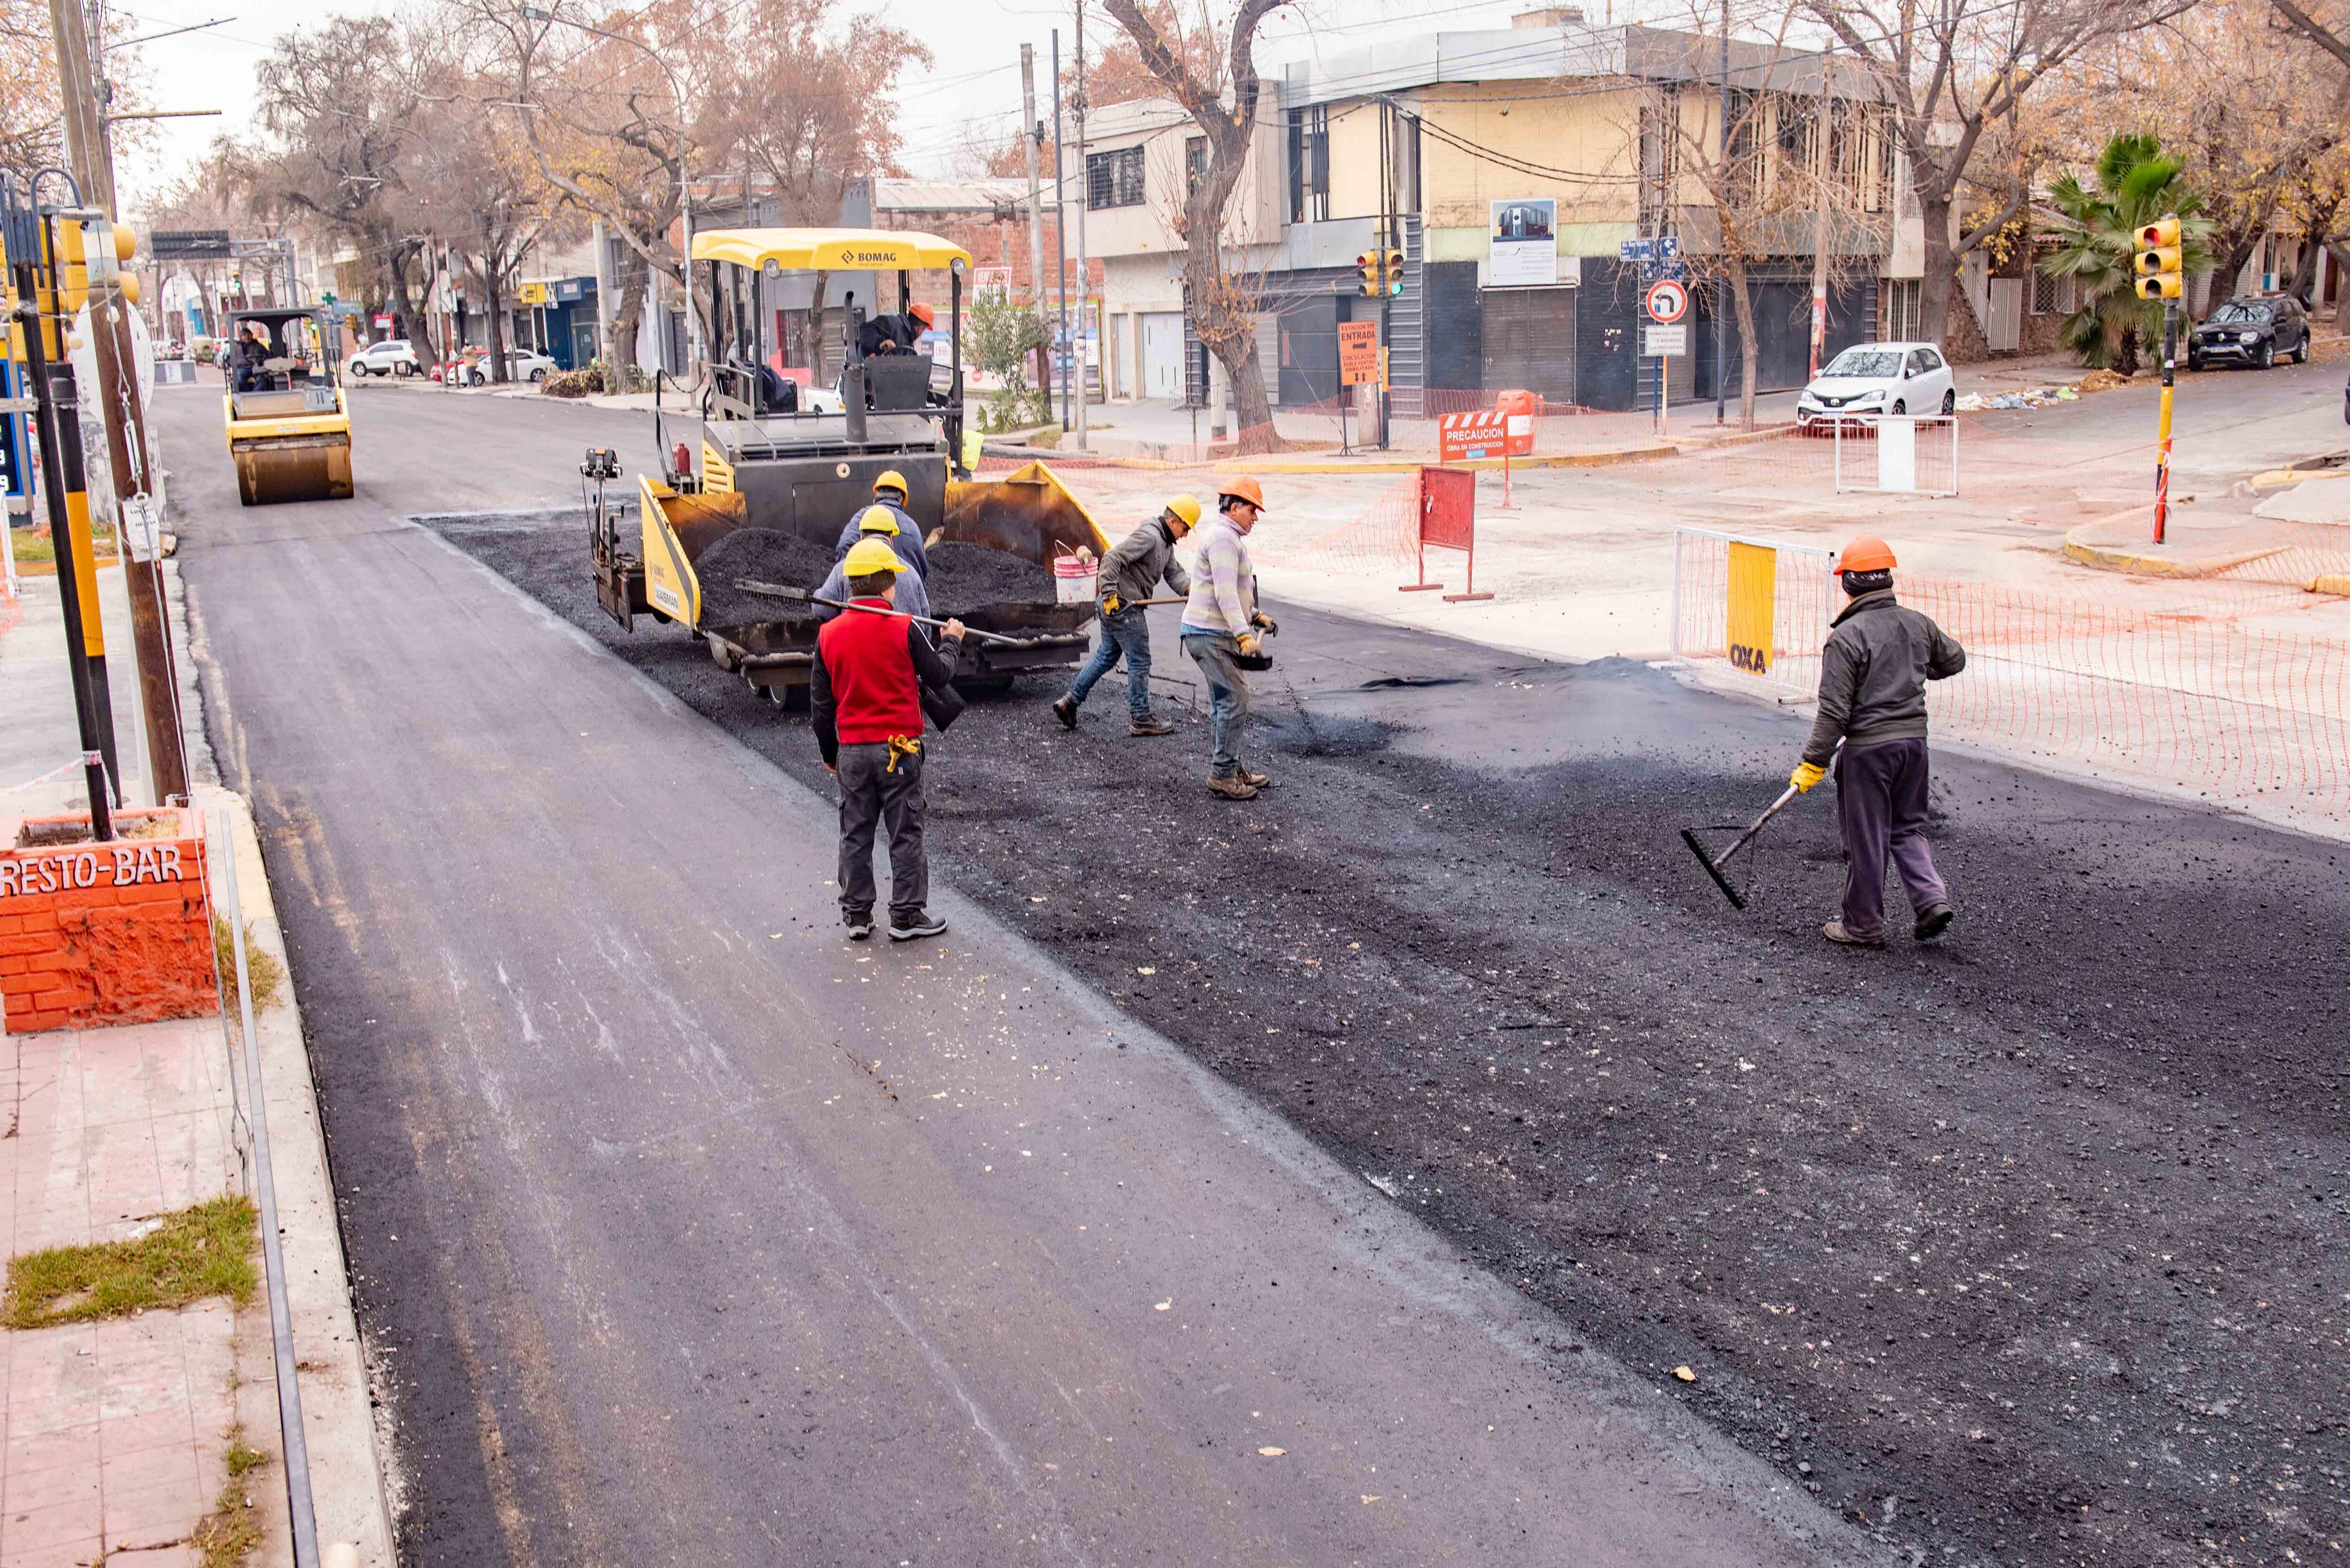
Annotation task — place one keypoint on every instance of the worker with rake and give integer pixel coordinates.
(872, 670)
(1129, 575)
(1873, 676)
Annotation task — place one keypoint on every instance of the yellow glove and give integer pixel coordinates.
(1805, 776)
(1109, 603)
(1249, 644)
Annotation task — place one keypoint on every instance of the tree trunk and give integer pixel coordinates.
(2126, 357)
(495, 302)
(1942, 273)
(1251, 408)
(1742, 298)
(628, 317)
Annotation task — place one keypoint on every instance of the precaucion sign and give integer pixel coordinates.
(1358, 353)
(1754, 589)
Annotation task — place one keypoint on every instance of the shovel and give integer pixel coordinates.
(801, 596)
(1714, 863)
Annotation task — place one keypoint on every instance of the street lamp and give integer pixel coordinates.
(685, 185)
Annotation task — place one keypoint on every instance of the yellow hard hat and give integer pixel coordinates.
(1187, 507)
(868, 557)
(891, 479)
(877, 520)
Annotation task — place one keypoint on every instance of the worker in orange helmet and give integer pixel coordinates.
(1220, 628)
(1873, 676)
(888, 334)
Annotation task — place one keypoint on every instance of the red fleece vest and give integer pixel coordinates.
(874, 692)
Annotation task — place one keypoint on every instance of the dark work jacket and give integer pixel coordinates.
(1873, 674)
(888, 333)
(907, 541)
(1134, 565)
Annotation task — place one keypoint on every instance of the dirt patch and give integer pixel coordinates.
(2100, 382)
(2024, 1249)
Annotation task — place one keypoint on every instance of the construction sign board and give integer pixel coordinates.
(1479, 432)
(1358, 353)
(1753, 593)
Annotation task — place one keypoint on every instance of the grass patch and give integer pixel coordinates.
(35, 546)
(225, 1537)
(268, 974)
(206, 1250)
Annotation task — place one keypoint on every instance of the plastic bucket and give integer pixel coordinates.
(1074, 578)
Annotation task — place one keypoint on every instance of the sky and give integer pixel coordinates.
(213, 68)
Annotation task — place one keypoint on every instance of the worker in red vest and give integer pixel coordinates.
(873, 668)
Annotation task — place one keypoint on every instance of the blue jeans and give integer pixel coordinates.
(1127, 632)
(1228, 696)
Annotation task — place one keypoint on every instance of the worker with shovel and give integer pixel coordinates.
(1128, 574)
(1220, 627)
(871, 671)
(1873, 676)
(889, 495)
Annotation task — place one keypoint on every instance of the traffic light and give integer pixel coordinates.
(1367, 263)
(2158, 275)
(1394, 272)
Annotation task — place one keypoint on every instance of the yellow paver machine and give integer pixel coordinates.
(289, 430)
(760, 450)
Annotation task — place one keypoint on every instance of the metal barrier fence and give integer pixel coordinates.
(2233, 691)
(1902, 454)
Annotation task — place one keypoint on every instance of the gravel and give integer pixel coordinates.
(2024, 1249)
(761, 555)
(966, 577)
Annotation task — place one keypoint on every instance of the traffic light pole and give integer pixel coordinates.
(2162, 443)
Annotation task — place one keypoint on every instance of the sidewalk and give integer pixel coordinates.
(119, 1432)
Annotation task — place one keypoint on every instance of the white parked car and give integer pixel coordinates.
(388, 358)
(522, 365)
(1880, 378)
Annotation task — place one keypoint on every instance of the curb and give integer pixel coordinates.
(1483, 464)
(2099, 558)
(338, 1412)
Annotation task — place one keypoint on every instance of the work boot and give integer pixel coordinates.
(1834, 930)
(907, 928)
(1149, 724)
(1933, 920)
(1066, 712)
(859, 926)
(1253, 779)
(1234, 788)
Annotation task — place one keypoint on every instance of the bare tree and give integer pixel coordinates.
(1954, 71)
(479, 191)
(1223, 311)
(809, 104)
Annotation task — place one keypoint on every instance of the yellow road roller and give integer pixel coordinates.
(289, 430)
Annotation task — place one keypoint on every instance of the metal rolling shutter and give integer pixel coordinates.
(1529, 341)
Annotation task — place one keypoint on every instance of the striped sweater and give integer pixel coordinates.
(1223, 583)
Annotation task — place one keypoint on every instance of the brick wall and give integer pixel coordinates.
(96, 934)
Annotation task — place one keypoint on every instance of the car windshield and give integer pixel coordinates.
(2241, 313)
(1865, 362)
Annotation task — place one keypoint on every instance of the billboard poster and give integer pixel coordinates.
(1521, 248)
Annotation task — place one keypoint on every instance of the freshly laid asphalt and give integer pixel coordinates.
(2023, 1249)
(684, 1230)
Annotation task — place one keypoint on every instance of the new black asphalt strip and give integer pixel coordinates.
(2024, 1249)
(2026, 1245)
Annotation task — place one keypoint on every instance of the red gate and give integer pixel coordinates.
(1447, 520)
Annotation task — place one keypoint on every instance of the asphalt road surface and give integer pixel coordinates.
(685, 1231)
(2024, 1249)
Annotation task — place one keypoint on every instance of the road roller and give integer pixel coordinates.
(763, 447)
(289, 430)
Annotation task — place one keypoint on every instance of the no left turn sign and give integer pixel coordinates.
(1668, 301)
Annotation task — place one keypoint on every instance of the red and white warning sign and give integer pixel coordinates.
(1668, 300)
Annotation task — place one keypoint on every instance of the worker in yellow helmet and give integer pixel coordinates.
(889, 495)
(1129, 574)
(879, 524)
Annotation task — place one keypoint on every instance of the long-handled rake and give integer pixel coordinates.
(1714, 863)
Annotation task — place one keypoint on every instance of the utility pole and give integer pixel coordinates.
(1820, 236)
(1030, 140)
(1060, 230)
(130, 454)
(1720, 275)
(1085, 339)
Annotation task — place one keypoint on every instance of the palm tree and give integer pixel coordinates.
(2096, 243)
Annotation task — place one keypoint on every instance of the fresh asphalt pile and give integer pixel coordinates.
(756, 555)
(966, 577)
(2026, 1248)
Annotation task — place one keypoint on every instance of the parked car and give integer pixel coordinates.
(2252, 330)
(392, 357)
(1880, 378)
(522, 365)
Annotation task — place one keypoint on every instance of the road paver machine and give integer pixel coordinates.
(752, 453)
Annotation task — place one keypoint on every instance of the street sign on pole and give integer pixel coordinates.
(1358, 352)
(1657, 342)
(1667, 302)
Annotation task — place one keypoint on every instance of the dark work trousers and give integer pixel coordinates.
(1127, 632)
(1881, 806)
(872, 797)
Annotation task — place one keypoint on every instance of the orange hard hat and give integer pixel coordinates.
(1865, 553)
(921, 313)
(1246, 488)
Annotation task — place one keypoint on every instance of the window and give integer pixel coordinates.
(1743, 171)
(1195, 163)
(1309, 164)
(1114, 179)
(1900, 306)
(1659, 161)
(2053, 295)
(1795, 132)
